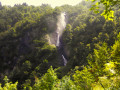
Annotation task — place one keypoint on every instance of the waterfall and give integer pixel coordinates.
(65, 60)
(58, 39)
(61, 24)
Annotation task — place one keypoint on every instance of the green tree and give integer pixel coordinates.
(108, 12)
(8, 85)
(46, 82)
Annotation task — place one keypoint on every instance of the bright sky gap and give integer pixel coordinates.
(53, 3)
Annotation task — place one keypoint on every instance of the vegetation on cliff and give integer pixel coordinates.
(30, 60)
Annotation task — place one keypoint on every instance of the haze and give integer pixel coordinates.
(53, 3)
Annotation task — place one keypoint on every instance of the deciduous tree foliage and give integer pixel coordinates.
(108, 12)
(91, 44)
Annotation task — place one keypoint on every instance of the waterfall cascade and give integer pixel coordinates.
(61, 24)
(65, 60)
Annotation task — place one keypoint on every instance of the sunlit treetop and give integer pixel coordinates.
(108, 13)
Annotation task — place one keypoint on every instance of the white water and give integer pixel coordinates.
(58, 39)
(65, 61)
(61, 24)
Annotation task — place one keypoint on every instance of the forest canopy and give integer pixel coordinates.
(31, 60)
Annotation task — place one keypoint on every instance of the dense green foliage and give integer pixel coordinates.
(91, 44)
(108, 12)
(25, 51)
